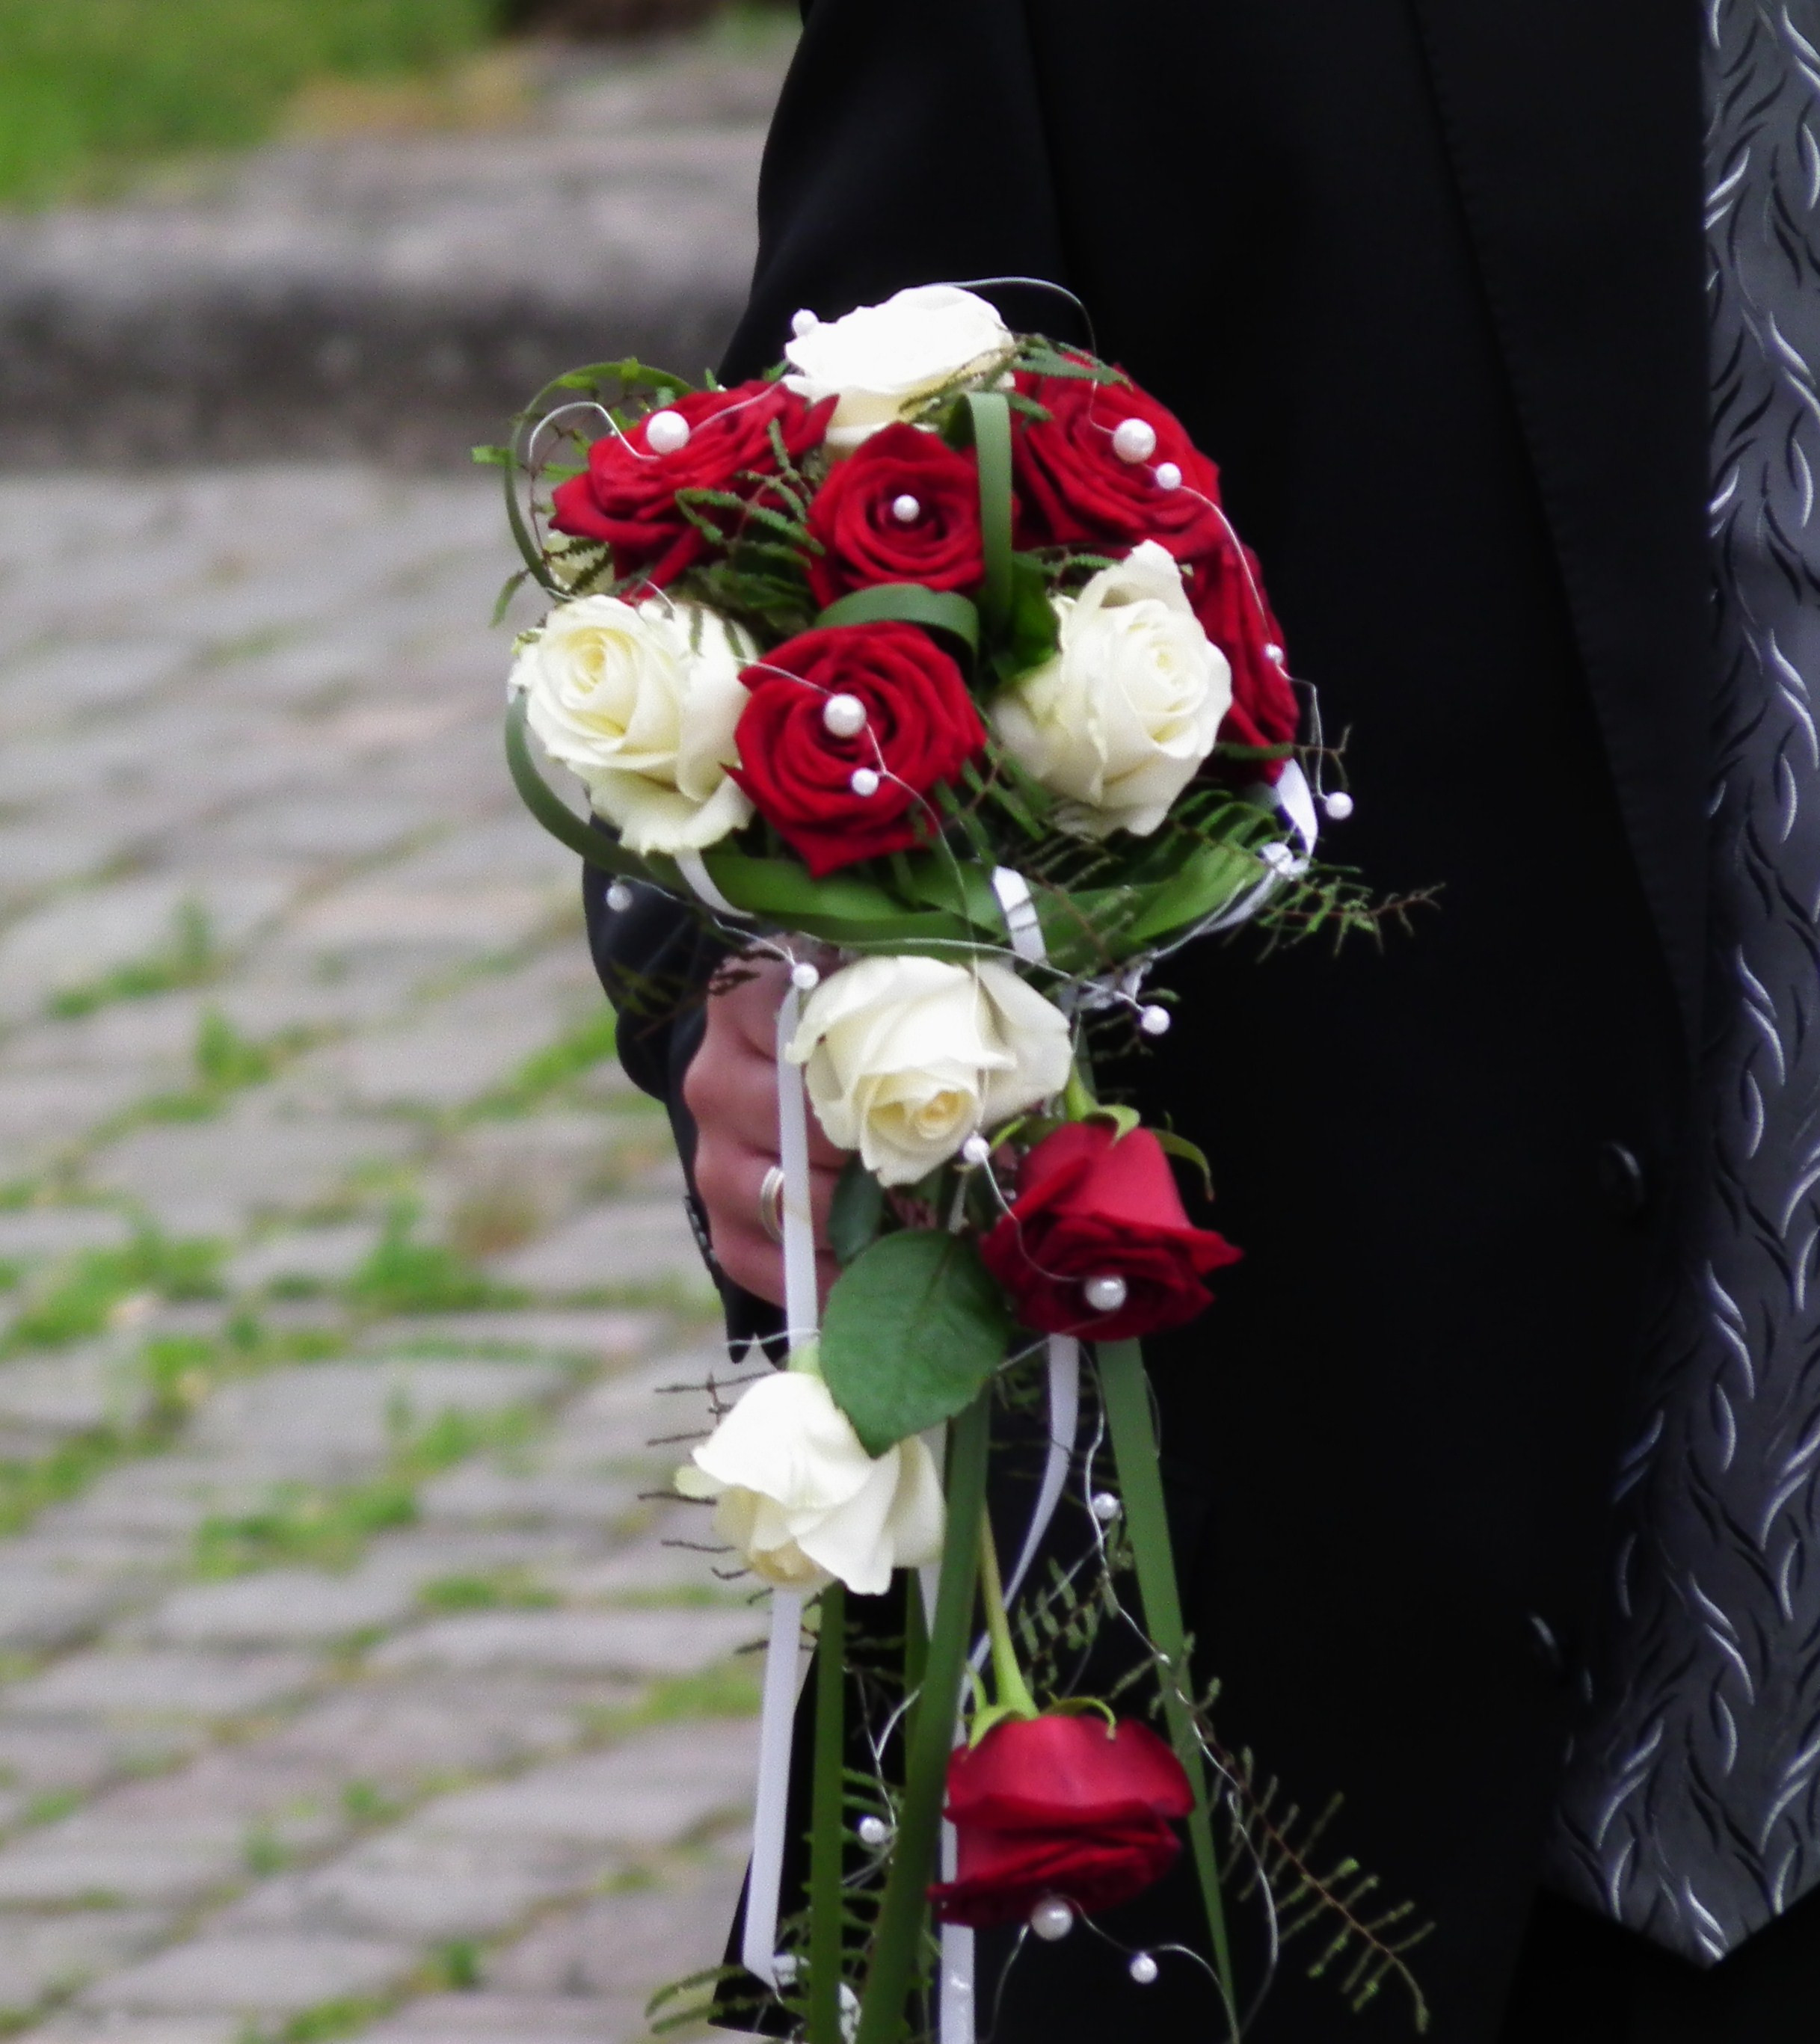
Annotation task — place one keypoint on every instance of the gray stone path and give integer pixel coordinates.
(348, 1687)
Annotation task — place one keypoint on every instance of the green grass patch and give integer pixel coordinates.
(402, 1275)
(314, 1526)
(224, 1062)
(505, 1589)
(330, 2020)
(83, 1293)
(89, 88)
(728, 1690)
(189, 956)
(557, 1066)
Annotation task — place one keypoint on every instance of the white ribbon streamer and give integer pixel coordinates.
(758, 1945)
(777, 1720)
(1020, 914)
(1064, 1423)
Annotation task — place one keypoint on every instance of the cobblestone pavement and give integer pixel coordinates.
(348, 1687)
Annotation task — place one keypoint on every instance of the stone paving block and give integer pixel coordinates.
(283, 1607)
(75, 2025)
(677, 1641)
(395, 1733)
(28, 1233)
(255, 1976)
(54, 1954)
(484, 1493)
(41, 1613)
(485, 2018)
(72, 941)
(329, 1420)
(649, 1416)
(619, 1244)
(628, 1944)
(656, 1789)
(208, 1177)
(77, 1391)
(158, 1682)
(320, 1255)
(463, 921)
(41, 1111)
(405, 1884)
(87, 1860)
(603, 1335)
(78, 1756)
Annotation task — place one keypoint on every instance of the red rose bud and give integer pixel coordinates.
(848, 729)
(710, 439)
(1110, 467)
(904, 507)
(1064, 1806)
(1097, 1243)
(1227, 593)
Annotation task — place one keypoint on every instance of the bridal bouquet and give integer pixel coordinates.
(930, 664)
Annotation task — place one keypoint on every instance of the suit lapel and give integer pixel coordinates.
(1574, 128)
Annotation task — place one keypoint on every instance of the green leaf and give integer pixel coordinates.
(1032, 630)
(857, 1213)
(914, 1328)
(490, 457)
(1191, 1153)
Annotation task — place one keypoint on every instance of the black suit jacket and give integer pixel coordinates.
(1424, 276)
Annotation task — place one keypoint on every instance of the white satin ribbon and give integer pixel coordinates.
(1022, 923)
(777, 1719)
(1064, 1423)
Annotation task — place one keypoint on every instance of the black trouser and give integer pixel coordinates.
(1582, 1980)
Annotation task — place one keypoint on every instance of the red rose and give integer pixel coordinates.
(856, 516)
(920, 727)
(1075, 490)
(1227, 593)
(627, 495)
(1061, 1806)
(1093, 1203)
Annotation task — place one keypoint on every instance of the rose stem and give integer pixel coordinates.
(1078, 1101)
(898, 1940)
(1125, 1393)
(1014, 1692)
(825, 1837)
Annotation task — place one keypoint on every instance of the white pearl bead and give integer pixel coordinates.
(862, 781)
(1105, 1295)
(1274, 653)
(843, 716)
(1134, 440)
(1153, 1021)
(906, 510)
(1338, 805)
(666, 432)
(1052, 1918)
(619, 897)
(975, 1150)
(804, 322)
(1105, 1507)
(1167, 476)
(804, 978)
(874, 1831)
(1143, 1969)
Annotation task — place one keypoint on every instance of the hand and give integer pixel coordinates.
(731, 1090)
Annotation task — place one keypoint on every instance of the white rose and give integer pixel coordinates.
(1120, 718)
(905, 1058)
(882, 361)
(802, 1500)
(641, 701)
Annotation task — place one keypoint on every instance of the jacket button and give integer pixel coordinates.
(1621, 1181)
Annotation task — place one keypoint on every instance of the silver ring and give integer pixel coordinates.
(771, 1204)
